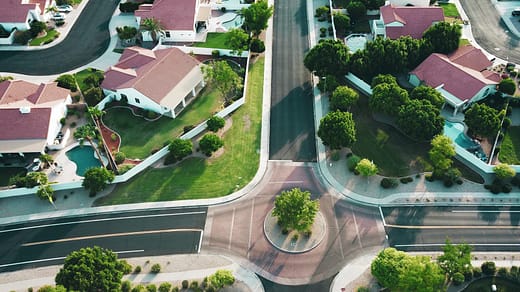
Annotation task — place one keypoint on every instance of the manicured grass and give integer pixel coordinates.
(362, 25)
(463, 42)
(510, 147)
(139, 137)
(49, 37)
(197, 178)
(450, 10)
(7, 172)
(216, 40)
(82, 75)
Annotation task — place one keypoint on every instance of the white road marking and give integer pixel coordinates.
(355, 224)
(382, 217)
(60, 258)
(106, 235)
(200, 240)
(485, 211)
(100, 220)
(443, 244)
(452, 226)
(231, 231)
(250, 227)
(287, 182)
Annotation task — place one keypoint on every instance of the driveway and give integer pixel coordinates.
(489, 30)
(86, 41)
(292, 115)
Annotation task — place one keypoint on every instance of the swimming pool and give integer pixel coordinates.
(83, 157)
(235, 22)
(356, 42)
(456, 133)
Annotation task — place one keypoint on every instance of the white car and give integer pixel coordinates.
(58, 16)
(64, 8)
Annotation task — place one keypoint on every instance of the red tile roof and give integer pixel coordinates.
(415, 20)
(14, 11)
(17, 126)
(172, 14)
(23, 93)
(43, 4)
(457, 73)
(153, 73)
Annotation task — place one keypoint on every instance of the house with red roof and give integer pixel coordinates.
(462, 77)
(419, 3)
(182, 20)
(163, 81)
(19, 14)
(397, 21)
(30, 115)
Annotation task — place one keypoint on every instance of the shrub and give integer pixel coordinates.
(67, 81)
(429, 177)
(137, 270)
(129, 6)
(126, 32)
(363, 289)
(458, 278)
(406, 180)
(175, 289)
(477, 272)
(93, 96)
(257, 46)
(156, 268)
(151, 115)
(352, 161)
(36, 28)
(165, 287)
(194, 285)
(506, 188)
(22, 37)
(187, 128)
(185, 284)
(468, 275)
(335, 156)
(389, 183)
(502, 272)
(488, 268)
(62, 121)
(210, 143)
(513, 272)
(215, 123)
(447, 182)
(151, 288)
(139, 288)
(119, 157)
(215, 53)
(515, 181)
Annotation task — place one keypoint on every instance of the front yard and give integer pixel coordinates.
(49, 37)
(510, 147)
(197, 178)
(215, 40)
(140, 137)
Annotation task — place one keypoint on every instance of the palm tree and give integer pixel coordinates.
(95, 113)
(45, 192)
(51, 9)
(46, 159)
(152, 26)
(88, 132)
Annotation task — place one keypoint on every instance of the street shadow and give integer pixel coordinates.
(489, 214)
(407, 217)
(514, 215)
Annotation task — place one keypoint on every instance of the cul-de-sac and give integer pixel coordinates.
(259, 145)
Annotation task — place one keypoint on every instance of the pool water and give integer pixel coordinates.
(83, 157)
(456, 133)
(356, 42)
(236, 22)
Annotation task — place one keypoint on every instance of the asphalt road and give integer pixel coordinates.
(131, 234)
(426, 228)
(292, 115)
(489, 30)
(86, 41)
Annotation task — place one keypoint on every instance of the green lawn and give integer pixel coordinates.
(450, 10)
(49, 37)
(510, 147)
(7, 172)
(197, 178)
(463, 42)
(362, 25)
(81, 75)
(216, 40)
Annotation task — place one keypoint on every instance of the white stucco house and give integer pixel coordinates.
(462, 77)
(163, 81)
(396, 21)
(182, 20)
(30, 115)
(19, 14)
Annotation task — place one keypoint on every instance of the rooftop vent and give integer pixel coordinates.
(25, 110)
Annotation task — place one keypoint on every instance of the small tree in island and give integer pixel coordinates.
(295, 210)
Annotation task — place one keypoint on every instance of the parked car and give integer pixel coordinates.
(516, 12)
(58, 16)
(64, 8)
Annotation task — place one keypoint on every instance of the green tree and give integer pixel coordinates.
(341, 22)
(96, 179)
(443, 37)
(256, 17)
(455, 259)
(46, 159)
(91, 269)
(366, 167)
(93, 96)
(383, 78)
(329, 57)
(442, 153)
(67, 81)
(343, 98)
(210, 143)
(224, 78)
(295, 210)
(237, 40)
(88, 132)
(49, 288)
(420, 120)
(92, 80)
(180, 148)
(504, 171)
(483, 120)
(507, 86)
(119, 157)
(221, 278)
(126, 32)
(37, 27)
(337, 129)
(45, 192)
(153, 26)
(356, 10)
(428, 93)
(387, 98)
(215, 123)
(374, 4)
(165, 287)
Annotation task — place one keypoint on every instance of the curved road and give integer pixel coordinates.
(86, 41)
(489, 30)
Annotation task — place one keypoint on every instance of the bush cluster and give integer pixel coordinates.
(389, 183)
(257, 46)
(405, 180)
(352, 161)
